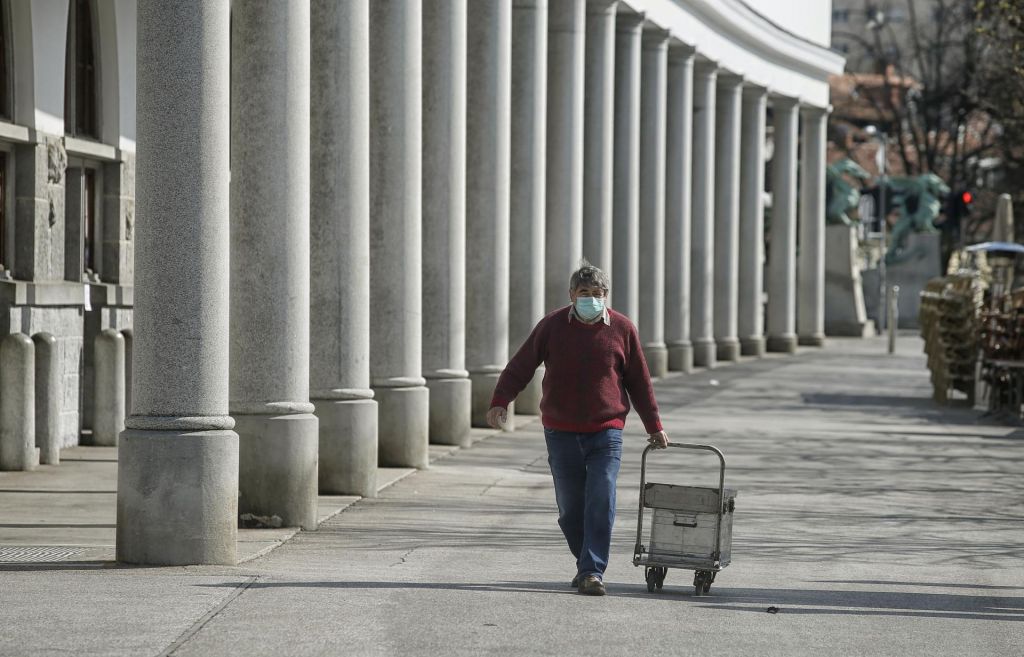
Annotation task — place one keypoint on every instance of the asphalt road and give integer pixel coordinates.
(876, 522)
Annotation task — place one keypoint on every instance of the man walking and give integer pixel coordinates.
(595, 367)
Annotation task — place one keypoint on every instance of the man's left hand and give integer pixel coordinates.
(658, 440)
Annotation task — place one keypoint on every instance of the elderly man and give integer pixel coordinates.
(595, 367)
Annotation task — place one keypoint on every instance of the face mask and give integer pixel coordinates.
(589, 307)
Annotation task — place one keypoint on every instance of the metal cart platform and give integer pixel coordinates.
(691, 527)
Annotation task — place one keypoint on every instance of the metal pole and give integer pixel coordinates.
(883, 230)
(894, 316)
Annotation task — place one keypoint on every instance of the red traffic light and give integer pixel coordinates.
(967, 197)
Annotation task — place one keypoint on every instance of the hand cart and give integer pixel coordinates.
(691, 527)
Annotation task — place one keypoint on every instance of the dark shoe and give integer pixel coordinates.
(591, 585)
(575, 583)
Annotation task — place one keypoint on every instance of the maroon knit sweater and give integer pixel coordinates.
(590, 370)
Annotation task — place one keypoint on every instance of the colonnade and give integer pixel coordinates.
(411, 184)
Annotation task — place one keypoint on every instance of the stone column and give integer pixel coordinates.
(49, 391)
(782, 257)
(653, 89)
(564, 243)
(626, 192)
(396, 101)
(340, 247)
(598, 132)
(679, 156)
(528, 150)
(39, 189)
(177, 488)
(444, 220)
(811, 268)
(278, 433)
(702, 243)
(17, 403)
(751, 266)
(108, 382)
(728, 105)
(488, 162)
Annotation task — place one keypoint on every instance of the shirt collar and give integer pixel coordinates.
(606, 316)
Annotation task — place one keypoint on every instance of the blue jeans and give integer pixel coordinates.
(584, 467)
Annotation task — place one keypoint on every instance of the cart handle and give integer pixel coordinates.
(721, 491)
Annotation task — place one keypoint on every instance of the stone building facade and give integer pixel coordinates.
(350, 213)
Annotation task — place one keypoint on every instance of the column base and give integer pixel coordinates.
(450, 401)
(728, 349)
(753, 346)
(277, 469)
(483, 391)
(528, 401)
(348, 446)
(704, 353)
(813, 340)
(177, 498)
(785, 344)
(403, 434)
(657, 359)
(680, 357)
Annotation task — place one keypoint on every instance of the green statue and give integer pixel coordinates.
(917, 201)
(840, 195)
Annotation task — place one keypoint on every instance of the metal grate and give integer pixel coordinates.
(38, 553)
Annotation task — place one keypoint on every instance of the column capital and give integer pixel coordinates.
(785, 102)
(655, 38)
(727, 79)
(812, 112)
(680, 52)
(602, 6)
(753, 93)
(630, 22)
(705, 68)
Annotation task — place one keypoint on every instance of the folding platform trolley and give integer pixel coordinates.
(691, 527)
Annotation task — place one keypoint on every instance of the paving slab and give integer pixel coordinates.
(874, 521)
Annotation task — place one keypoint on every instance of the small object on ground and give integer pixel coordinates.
(591, 585)
(713, 382)
(772, 610)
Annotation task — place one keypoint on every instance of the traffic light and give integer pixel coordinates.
(958, 206)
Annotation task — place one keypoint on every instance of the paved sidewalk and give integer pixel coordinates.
(877, 522)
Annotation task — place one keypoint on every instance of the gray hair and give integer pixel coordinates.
(588, 275)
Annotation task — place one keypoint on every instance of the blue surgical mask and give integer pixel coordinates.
(589, 308)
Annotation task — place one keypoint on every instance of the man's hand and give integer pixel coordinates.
(497, 416)
(657, 440)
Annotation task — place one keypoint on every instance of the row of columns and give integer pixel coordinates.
(405, 204)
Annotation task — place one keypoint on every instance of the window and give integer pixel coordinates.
(840, 15)
(80, 77)
(5, 240)
(83, 227)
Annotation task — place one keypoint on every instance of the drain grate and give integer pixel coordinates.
(38, 553)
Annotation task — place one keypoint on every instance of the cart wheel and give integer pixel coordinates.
(651, 578)
(702, 582)
(660, 581)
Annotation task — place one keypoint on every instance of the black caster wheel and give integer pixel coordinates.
(660, 581)
(702, 582)
(652, 579)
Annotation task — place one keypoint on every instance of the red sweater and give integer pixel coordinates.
(590, 370)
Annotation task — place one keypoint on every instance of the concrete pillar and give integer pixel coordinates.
(653, 90)
(108, 381)
(340, 247)
(598, 132)
(528, 151)
(728, 106)
(278, 433)
(702, 242)
(444, 220)
(564, 243)
(177, 488)
(39, 191)
(811, 268)
(49, 393)
(17, 403)
(678, 166)
(751, 265)
(396, 119)
(782, 257)
(488, 161)
(626, 202)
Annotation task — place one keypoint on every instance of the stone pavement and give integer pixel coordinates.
(876, 522)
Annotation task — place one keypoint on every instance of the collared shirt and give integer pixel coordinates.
(605, 316)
